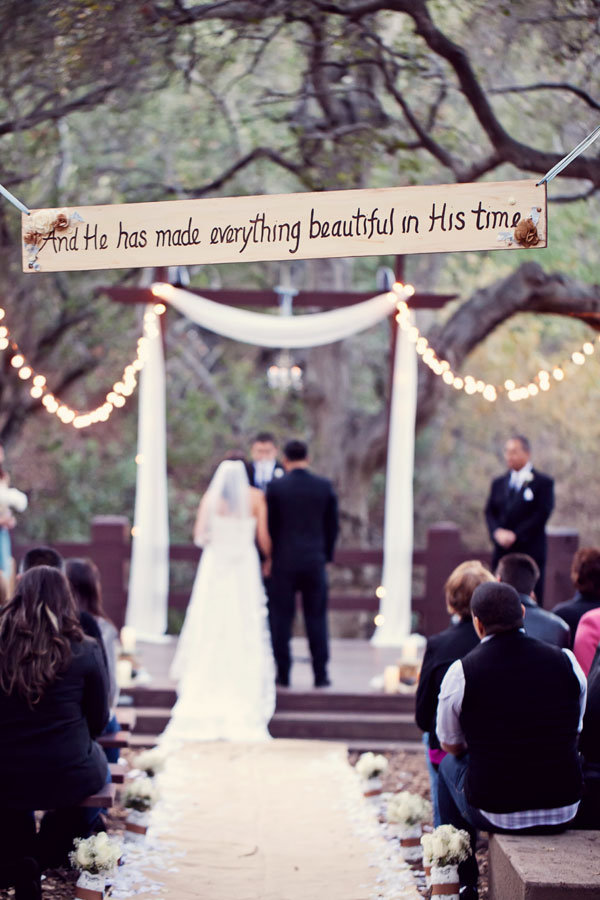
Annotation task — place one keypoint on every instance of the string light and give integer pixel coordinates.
(115, 398)
(467, 383)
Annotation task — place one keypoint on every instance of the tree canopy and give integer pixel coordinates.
(104, 101)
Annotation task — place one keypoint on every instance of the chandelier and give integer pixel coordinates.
(284, 374)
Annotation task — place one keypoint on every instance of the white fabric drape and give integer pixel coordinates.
(395, 606)
(149, 572)
(147, 609)
(312, 330)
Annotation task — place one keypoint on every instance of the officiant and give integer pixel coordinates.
(264, 466)
(519, 504)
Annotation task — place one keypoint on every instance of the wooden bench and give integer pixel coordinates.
(545, 867)
(117, 773)
(103, 798)
(126, 717)
(119, 739)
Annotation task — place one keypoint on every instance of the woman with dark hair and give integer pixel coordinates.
(53, 702)
(585, 575)
(442, 650)
(84, 579)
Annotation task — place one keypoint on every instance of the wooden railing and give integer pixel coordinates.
(110, 547)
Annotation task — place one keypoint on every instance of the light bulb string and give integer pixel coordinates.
(541, 382)
(115, 398)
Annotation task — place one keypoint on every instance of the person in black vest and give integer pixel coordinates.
(264, 467)
(519, 505)
(509, 715)
(303, 523)
(441, 651)
(53, 702)
(522, 573)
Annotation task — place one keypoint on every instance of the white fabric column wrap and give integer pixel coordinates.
(149, 572)
(395, 605)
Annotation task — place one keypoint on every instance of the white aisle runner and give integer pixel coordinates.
(283, 820)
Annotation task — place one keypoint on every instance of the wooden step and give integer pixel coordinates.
(367, 727)
(321, 700)
(346, 726)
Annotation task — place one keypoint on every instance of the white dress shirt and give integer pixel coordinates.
(519, 477)
(449, 731)
(263, 472)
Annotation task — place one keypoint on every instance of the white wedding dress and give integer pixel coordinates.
(224, 660)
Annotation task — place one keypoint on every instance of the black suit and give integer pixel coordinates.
(278, 472)
(442, 650)
(303, 524)
(544, 625)
(525, 512)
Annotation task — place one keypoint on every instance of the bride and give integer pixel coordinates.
(224, 661)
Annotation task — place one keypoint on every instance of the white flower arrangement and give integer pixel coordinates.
(150, 761)
(405, 808)
(371, 765)
(447, 846)
(426, 846)
(97, 854)
(140, 795)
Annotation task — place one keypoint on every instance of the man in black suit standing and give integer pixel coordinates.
(264, 466)
(303, 523)
(519, 505)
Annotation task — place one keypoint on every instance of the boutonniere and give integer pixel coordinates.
(278, 473)
(527, 477)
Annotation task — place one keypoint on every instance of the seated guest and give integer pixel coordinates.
(46, 556)
(522, 573)
(585, 575)
(509, 714)
(53, 702)
(441, 651)
(589, 746)
(84, 578)
(587, 639)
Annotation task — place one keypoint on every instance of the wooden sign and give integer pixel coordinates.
(424, 219)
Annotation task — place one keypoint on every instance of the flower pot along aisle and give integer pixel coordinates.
(136, 824)
(370, 767)
(410, 841)
(444, 882)
(90, 887)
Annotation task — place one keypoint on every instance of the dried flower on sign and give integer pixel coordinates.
(526, 233)
(62, 221)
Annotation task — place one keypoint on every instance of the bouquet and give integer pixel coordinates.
(371, 765)
(446, 848)
(97, 854)
(150, 761)
(449, 846)
(405, 808)
(95, 857)
(140, 795)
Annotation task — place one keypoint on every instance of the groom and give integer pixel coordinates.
(303, 524)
